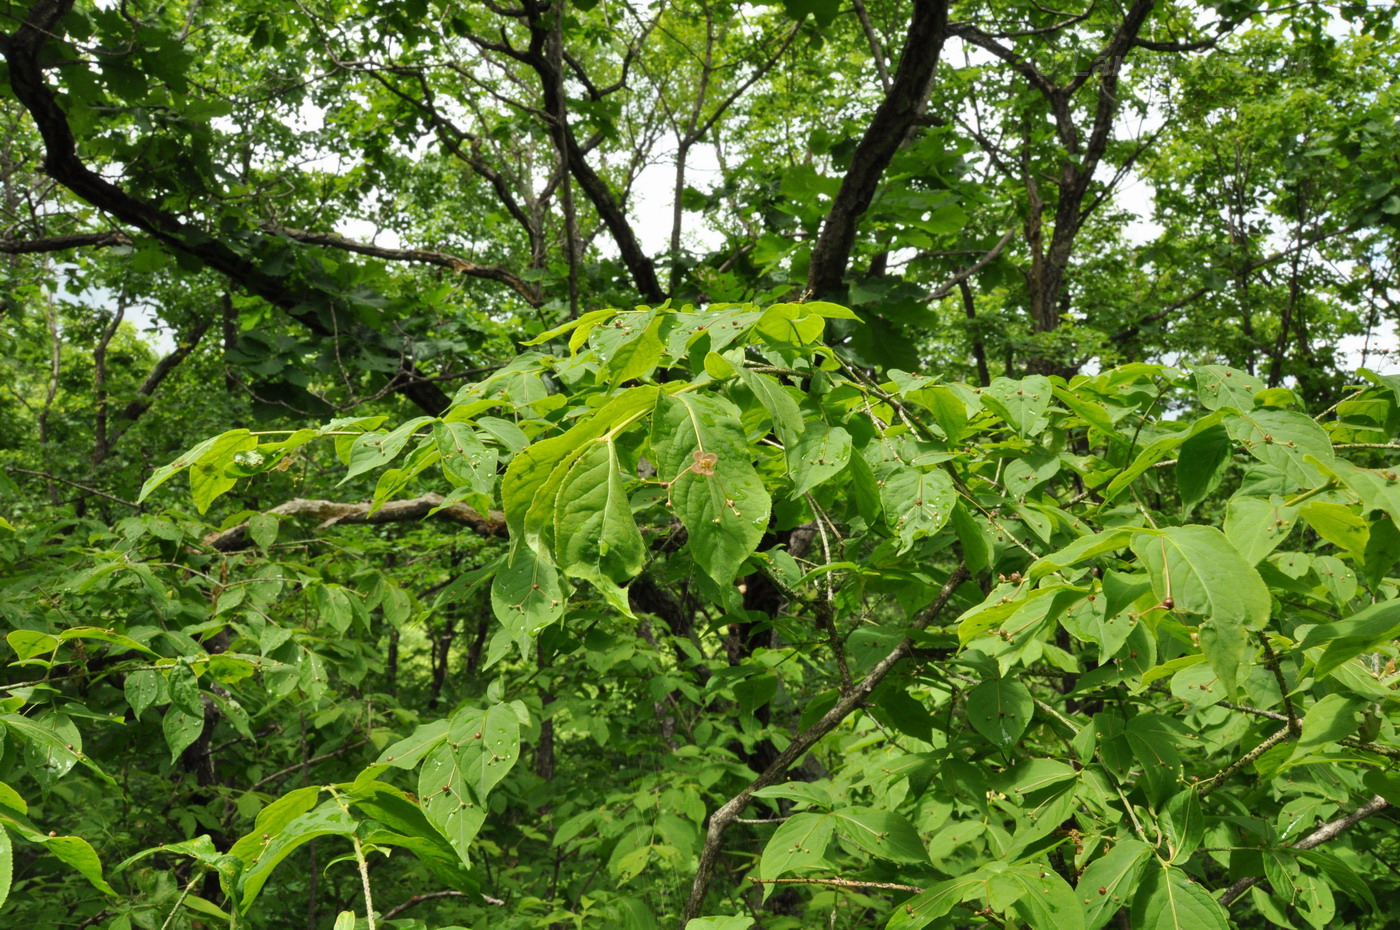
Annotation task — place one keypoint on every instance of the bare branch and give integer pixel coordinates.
(332, 513)
(425, 256)
(972, 269)
(62, 243)
(1322, 834)
(896, 115)
(722, 818)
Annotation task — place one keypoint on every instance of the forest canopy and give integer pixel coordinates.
(701, 465)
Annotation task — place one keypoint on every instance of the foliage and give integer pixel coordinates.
(412, 516)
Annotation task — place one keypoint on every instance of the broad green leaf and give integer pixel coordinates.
(207, 478)
(927, 906)
(1329, 720)
(181, 729)
(165, 472)
(1203, 574)
(1338, 525)
(1169, 899)
(271, 849)
(1347, 639)
(1020, 403)
(465, 459)
(786, 416)
(526, 595)
(487, 746)
(56, 754)
(818, 456)
(1201, 463)
(1046, 902)
(1218, 386)
(78, 853)
(376, 449)
(1085, 547)
(584, 322)
(719, 923)
(881, 833)
(405, 753)
(1256, 527)
(1148, 457)
(447, 800)
(595, 537)
(917, 503)
(704, 463)
(1107, 885)
(7, 863)
(1379, 489)
(1284, 439)
(30, 643)
(273, 819)
(799, 842)
(1000, 709)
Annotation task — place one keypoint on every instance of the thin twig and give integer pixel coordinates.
(1322, 834)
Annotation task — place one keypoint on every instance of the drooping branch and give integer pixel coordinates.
(724, 817)
(898, 113)
(146, 392)
(96, 240)
(315, 309)
(424, 256)
(332, 513)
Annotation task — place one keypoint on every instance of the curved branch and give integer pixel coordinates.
(1324, 833)
(313, 308)
(100, 240)
(331, 513)
(898, 113)
(427, 257)
(725, 816)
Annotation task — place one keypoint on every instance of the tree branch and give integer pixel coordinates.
(898, 113)
(331, 513)
(62, 243)
(722, 818)
(425, 256)
(312, 307)
(1322, 834)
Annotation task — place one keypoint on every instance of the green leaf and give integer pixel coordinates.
(1331, 719)
(376, 449)
(181, 729)
(165, 472)
(820, 455)
(271, 848)
(704, 462)
(1021, 403)
(405, 753)
(447, 800)
(1108, 882)
(273, 819)
(1284, 439)
(927, 906)
(78, 853)
(7, 863)
(55, 753)
(207, 478)
(1347, 639)
(916, 502)
(719, 923)
(1170, 900)
(786, 415)
(1339, 526)
(465, 459)
(1201, 464)
(1083, 548)
(799, 842)
(1000, 709)
(1218, 386)
(1204, 574)
(526, 595)
(1046, 902)
(595, 537)
(881, 833)
(1257, 527)
(487, 745)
